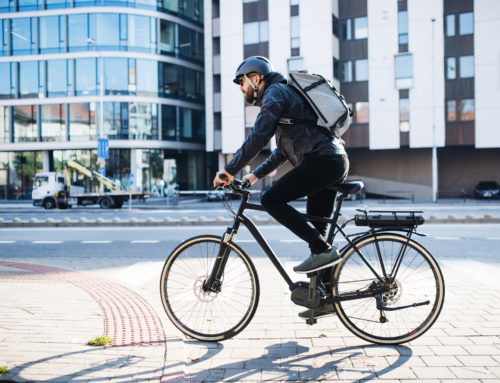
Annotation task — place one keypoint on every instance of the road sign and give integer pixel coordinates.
(131, 178)
(103, 170)
(102, 148)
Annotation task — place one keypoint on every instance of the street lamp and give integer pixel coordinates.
(434, 149)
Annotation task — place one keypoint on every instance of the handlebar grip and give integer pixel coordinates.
(223, 177)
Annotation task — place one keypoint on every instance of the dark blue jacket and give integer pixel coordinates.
(294, 142)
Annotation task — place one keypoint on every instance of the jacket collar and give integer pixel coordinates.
(272, 78)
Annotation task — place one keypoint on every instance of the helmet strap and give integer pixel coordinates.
(254, 87)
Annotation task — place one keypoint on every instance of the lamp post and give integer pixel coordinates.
(434, 149)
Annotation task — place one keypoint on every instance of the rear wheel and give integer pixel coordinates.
(206, 315)
(49, 203)
(106, 203)
(418, 280)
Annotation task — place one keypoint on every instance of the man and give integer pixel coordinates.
(319, 159)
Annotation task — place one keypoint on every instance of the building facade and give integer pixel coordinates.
(421, 75)
(131, 71)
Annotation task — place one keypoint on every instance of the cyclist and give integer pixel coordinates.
(319, 159)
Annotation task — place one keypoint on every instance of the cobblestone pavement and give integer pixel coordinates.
(49, 309)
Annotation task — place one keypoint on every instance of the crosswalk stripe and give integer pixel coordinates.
(86, 242)
(7, 241)
(145, 241)
(47, 242)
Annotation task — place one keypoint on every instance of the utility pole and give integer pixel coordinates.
(434, 144)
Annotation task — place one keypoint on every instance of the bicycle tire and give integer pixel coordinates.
(419, 279)
(208, 316)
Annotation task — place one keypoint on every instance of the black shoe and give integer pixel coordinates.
(319, 261)
(327, 309)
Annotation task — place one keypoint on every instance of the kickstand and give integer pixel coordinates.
(312, 291)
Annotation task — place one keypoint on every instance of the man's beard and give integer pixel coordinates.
(249, 95)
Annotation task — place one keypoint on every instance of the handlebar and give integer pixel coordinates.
(236, 185)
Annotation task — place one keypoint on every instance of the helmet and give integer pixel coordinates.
(254, 64)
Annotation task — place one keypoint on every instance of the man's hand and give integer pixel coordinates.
(218, 180)
(251, 178)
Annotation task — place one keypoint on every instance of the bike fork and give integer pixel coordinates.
(214, 281)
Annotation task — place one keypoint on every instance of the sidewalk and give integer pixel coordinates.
(49, 313)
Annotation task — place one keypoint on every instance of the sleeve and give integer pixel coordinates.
(262, 131)
(275, 159)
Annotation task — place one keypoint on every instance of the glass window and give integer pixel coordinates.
(404, 114)
(147, 78)
(451, 106)
(466, 23)
(294, 26)
(450, 25)
(51, 4)
(466, 66)
(25, 128)
(4, 125)
(6, 80)
(85, 70)
(23, 36)
(169, 81)
(190, 43)
(346, 29)
(82, 122)
(167, 36)
(170, 5)
(192, 125)
(251, 33)
(7, 6)
(295, 64)
(86, 3)
(347, 71)
(361, 70)
(141, 33)
(108, 30)
(168, 122)
(53, 122)
(404, 71)
(451, 68)
(147, 4)
(403, 27)
(116, 75)
(28, 79)
(116, 120)
(57, 75)
(29, 5)
(80, 30)
(362, 113)
(4, 36)
(467, 111)
(51, 34)
(361, 28)
(143, 120)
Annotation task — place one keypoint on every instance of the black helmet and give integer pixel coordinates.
(254, 64)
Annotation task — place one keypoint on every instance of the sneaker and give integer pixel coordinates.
(327, 309)
(319, 261)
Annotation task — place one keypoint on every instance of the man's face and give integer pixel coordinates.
(246, 88)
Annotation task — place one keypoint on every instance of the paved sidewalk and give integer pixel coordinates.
(49, 311)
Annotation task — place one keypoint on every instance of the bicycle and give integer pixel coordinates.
(388, 289)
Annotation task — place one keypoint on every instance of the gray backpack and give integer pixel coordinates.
(330, 106)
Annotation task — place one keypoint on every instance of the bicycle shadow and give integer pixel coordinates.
(291, 361)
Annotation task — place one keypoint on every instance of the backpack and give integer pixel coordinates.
(329, 105)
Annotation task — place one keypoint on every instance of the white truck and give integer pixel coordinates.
(52, 189)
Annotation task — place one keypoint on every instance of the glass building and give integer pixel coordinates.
(72, 71)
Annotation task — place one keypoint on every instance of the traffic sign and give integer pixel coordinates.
(131, 178)
(103, 148)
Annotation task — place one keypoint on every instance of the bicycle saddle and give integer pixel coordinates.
(348, 187)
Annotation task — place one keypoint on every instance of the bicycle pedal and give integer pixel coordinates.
(312, 321)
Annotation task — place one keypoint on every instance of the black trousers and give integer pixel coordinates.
(310, 178)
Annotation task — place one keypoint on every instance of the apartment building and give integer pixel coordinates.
(423, 77)
(130, 71)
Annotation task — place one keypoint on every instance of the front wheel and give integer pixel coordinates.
(206, 315)
(411, 298)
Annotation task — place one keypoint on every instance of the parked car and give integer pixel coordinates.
(214, 196)
(487, 189)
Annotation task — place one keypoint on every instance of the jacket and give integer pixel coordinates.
(293, 141)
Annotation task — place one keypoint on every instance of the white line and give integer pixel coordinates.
(7, 241)
(47, 242)
(493, 238)
(246, 240)
(145, 241)
(448, 238)
(291, 240)
(97, 241)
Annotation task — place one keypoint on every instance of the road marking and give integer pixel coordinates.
(448, 238)
(246, 240)
(47, 242)
(96, 242)
(7, 241)
(145, 241)
(291, 240)
(493, 238)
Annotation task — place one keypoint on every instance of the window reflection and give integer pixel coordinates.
(361, 70)
(80, 30)
(57, 75)
(190, 43)
(147, 78)
(466, 23)
(6, 80)
(168, 122)
(28, 79)
(23, 36)
(467, 110)
(25, 128)
(362, 112)
(29, 5)
(141, 33)
(51, 4)
(451, 107)
(108, 30)
(361, 28)
(167, 37)
(4, 36)
(451, 68)
(51, 34)
(4, 124)
(116, 120)
(53, 122)
(450, 25)
(82, 122)
(116, 75)
(192, 124)
(466, 66)
(143, 121)
(85, 77)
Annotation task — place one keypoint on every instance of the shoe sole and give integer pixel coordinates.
(319, 316)
(319, 268)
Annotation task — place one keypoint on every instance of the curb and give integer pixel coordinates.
(185, 221)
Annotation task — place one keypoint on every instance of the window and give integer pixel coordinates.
(57, 75)
(28, 79)
(451, 107)
(190, 43)
(4, 124)
(466, 66)
(451, 68)
(361, 28)
(25, 128)
(4, 37)
(336, 68)
(347, 71)
(115, 120)
(361, 70)
(23, 36)
(404, 71)
(80, 30)
(403, 27)
(450, 25)
(168, 122)
(192, 124)
(362, 113)
(116, 75)
(346, 29)
(466, 23)
(108, 30)
(255, 32)
(404, 114)
(143, 121)
(467, 110)
(167, 37)
(86, 76)
(295, 32)
(82, 122)
(147, 78)
(295, 64)
(29, 5)
(141, 33)
(51, 34)
(53, 122)
(6, 80)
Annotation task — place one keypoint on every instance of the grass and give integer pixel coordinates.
(3, 369)
(101, 341)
